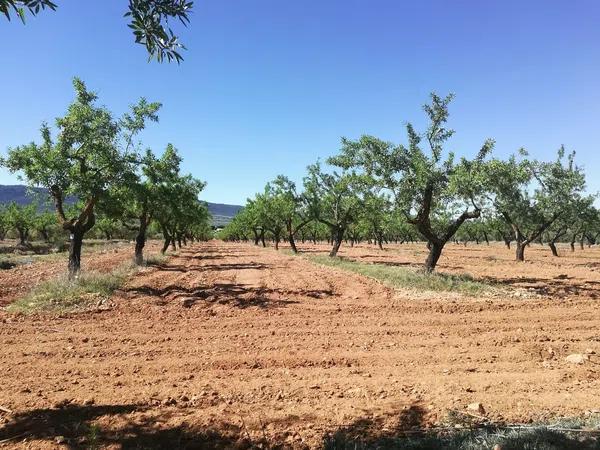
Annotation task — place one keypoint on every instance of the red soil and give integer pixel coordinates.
(228, 344)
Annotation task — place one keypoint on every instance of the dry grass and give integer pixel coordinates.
(62, 295)
(409, 278)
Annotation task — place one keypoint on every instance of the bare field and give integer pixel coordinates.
(225, 345)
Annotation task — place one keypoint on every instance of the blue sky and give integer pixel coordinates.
(269, 86)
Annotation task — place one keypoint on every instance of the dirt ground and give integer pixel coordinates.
(34, 269)
(226, 345)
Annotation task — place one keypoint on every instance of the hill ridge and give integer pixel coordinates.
(222, 213)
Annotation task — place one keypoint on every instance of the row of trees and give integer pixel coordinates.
(95, 158)
(382, 191)
(22, 220)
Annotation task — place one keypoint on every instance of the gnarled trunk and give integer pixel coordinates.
(22, 236)
(140, 243)
(435, 251)
(337, 238)
(262, 239)
(520, 253)
(256, 236)
(552, 246)
(165, 245)
(76, 241)
(292, 243)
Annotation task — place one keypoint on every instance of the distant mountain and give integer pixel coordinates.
(23, 195)
(221, 213)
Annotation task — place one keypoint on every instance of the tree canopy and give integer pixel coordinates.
(149, 21)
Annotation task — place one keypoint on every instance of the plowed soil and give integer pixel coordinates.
(229, 345)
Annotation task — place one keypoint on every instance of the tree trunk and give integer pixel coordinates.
(262, 239)
(165, 245)
(140, 243)
(45, 235)
(292, 243)
(22, 236)
(76, 240)
(507, 243)
(276, 242)
(572, 244)
(435, 251)
(553, 248)
(337, 242)
(520, 254)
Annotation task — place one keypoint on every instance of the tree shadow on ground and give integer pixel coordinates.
(182, 267)
(553, 287)
(74, 427)
(234, 294)
(407, 430)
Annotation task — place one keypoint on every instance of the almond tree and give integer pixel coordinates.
(43, 223)
(376, 214)
(334, 199)
(91, 153)
(531, 196)
(583, 221)
(247, 221)
(179, 209)
(435, 193)
(281, 210)
(138, 201)
(21, 219)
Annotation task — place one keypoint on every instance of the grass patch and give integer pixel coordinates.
(528, 438)
(156, 259)
(61, 295)
(561, 434)
(407, 277)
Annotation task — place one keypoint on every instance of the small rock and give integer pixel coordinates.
(169, 401)
(188, 302)
(497, 447)
(85, 339)
(589, 351)
(60, 439)
(576, 358)
(89, 401)
(476, 407)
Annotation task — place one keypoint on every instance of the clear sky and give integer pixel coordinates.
(268, 86)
